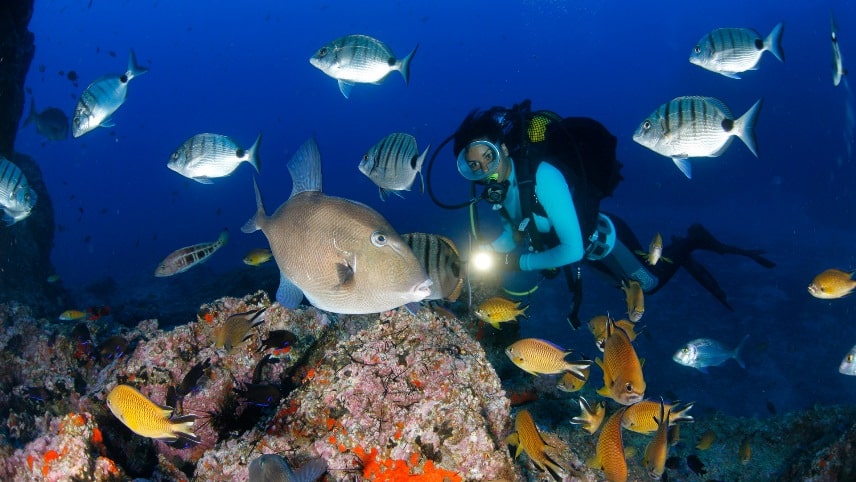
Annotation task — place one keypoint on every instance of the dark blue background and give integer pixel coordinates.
(236, 68)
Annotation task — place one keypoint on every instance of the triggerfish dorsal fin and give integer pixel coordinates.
(305, 168)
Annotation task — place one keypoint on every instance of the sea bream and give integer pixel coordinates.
(848, 363)
(359, 59)
(183, 259)
(208, 156)
(102, 98)
(343, 256)
(694, 126)
(17, 198)
(838, 70)
(730, 51)
(393, 163)
(705, 352)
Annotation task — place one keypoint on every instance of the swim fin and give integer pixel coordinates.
(700, 238)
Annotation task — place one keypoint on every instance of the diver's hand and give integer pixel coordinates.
(510, 261)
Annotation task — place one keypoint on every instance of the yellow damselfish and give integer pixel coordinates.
(622, 370)
(832, 284)
(639, 417)
(527, 439)
(537, 357)
(148, 419)
(258, 256)
(658, 449)
(609, 456)
(498, 310)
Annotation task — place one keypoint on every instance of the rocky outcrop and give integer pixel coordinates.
(16, 52)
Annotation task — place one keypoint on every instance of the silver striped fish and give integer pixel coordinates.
(439, 257)
(359, 59)
(207, 156)
(183, 259)
(693, 126)
(17, 198)
(729, 51)
(393, 163)
(102, 98)
(838, 70)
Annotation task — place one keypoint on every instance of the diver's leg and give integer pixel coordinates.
(700, 238)
(703, 276)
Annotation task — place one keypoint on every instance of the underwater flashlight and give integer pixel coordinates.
(483, 260)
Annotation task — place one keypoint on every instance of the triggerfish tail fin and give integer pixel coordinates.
(736, 354)
(404, 65)
(253, 154)
(773, 42)
(134, 69)
(744, 127)
(253, 224)
(305, 168)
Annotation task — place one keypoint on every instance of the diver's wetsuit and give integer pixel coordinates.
(624, 262)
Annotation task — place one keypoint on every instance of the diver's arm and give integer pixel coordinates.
(555, 197)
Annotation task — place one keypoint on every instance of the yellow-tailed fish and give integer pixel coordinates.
(540, 357)
(639, 417)
(572, 383)
(635, 299)
(658, 448)
(655, 251)
(527, 439)
(597, 326)
(498, 310)
(745, 452)
(72, 315)
(590, 417)
(234, 330)
(706, 440)
(622, 371)
(832, 284)
(148, 419)
(610, 450)
(257, 256)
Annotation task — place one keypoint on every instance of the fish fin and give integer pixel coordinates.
(703, 370)
(684, 165)
(403, 65)
(413, 308)
(345, 273)
(258, 317)
(383, 194)
(513, 439)
(108, 122)
(737, 350)
(203, 180)
(223, 238)
(345, 88)
(745, 127)
(181, 428)
(288, 294)
(599, 362)
(730, 75)
(134, 69)
(253, 154)
(773, 42)
(495, 324)
(252, 224)
(418, 166)
(305, 168)
(604, 392)
(310, 471)
(668, 260)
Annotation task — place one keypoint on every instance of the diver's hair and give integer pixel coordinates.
(477, 125)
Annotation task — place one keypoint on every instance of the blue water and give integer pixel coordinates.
(230, 68)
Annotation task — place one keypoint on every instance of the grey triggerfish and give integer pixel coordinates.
(342, 255)
(273, 468)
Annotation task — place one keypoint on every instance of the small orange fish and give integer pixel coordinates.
(640, 416)
(590, 417)
(538, 357)
(72, 315)
(658, 448)
(635, 299)
(832, 284)
(622, 371)
(610, 450)
(257, 256)
(571, 383)
(597, 326)
(527, 439)
(706, 440)
(745, 452)
(498, 310)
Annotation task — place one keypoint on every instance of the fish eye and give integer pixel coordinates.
(379, 239)
(697, 49)
(685, 350)
(628, 387)
(646, 125)
(322, 52)
(849, 358)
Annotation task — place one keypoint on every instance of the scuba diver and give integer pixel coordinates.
(546, 176)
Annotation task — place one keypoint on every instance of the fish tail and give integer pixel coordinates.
(404, 65)
(134, 69)
(223, 238)
(32, 115)
(737, 351)
(419, 161)
(253, 154)
(253, 224)
(744, 127)
(773, 42)
(182, 426)
(523, 311)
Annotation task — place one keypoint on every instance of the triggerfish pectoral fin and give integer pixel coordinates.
(288, 294)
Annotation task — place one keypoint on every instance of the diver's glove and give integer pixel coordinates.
(511, 261)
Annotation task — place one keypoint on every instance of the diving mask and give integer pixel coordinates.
(482, 164)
